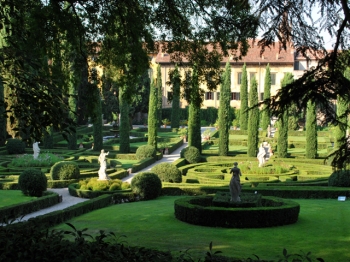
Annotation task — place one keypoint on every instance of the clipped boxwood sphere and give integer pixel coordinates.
(147, 185)
(191, 154)
(167, 172)
(65, 170)
(32, 182)
(15, 146)
(145, 151)
(339, 178)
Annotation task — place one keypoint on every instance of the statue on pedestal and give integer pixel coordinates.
(36, 149)
(235, 183)
(102, 175)
(261, 155)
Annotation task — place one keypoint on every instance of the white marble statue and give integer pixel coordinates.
(36, 149)
(261, 155)
(102, 175)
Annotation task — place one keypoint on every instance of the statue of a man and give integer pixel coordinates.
(235, 183)
(102, 175)
(261, 155)
(36, 149)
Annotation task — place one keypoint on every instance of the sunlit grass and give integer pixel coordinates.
(322, 228)
(11, 197)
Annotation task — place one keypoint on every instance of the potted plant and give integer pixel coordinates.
(183, 123)
(182, 131)
(206, 134)
(235, 124)
(166, 122)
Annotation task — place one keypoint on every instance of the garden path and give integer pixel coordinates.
(68, 200)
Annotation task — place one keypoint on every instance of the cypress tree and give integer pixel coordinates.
(124, 125)
(282, 141)
(311, 130)
(224, 111)
(194, 127)
(175, 112)
(152, 115)
(253, 122)
(97, 121)
(340, 130)
(266, 114)
(72, 102)
(244, 99)
(160, 94)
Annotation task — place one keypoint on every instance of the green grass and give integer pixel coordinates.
(12, 197)
(322, 228)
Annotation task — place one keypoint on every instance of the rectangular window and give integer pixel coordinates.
(217, 95)
(170, 96)
(209, 96)
(251, 75)
(261, 96)
(239, 78)
(235, 96)
(273, 78)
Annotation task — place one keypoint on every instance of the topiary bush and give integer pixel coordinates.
(15, 146)
(191, 154)
(147, 185)
(339, 178)
(65, 170)
(145, 151)
(167, 172)
(32, 182)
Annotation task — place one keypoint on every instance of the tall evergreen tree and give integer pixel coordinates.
(124, 125)
(266, 114)
(224, 111)
(194, 126)
(160, 94)
(175, 107)
(311, 130)
(97, 121)
(152, 115)
(340, 130)
(244, 99)
(253, 122)
(282, 141)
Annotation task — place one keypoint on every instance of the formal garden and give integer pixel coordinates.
(288, 207)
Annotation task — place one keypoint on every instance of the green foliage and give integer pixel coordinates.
(152, 116)
(311, 131)
(146, 184)
(340, 178)
(44, 159)
(244, 99)
(124, 127)
(97, 120)
(32, 182)
(191, 154)
(167, 172)
(340, 129)
(65, 170)
(15, 146)
(266, 114)
(145, 151)
(94, 184)
(253, 121)
(224, 111)
(182, 131)
(160, 94)
(175, 105)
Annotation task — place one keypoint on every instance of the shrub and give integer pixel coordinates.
(116, 185)
(147, 185)
(191, 154)
(339, 178)
(99, 185)
(65, 170)
(15, 146)
(32, 182)
(167, 172)
(145, 151)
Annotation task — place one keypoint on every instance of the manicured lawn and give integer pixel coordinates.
(322, 228)
(11, 197)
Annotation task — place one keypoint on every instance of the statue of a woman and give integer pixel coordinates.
(261, 155)
(102, 175)
(36, 149)
(235, 183)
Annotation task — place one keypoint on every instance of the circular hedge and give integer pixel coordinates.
(32, 182)
(145, 151)
(147, 185)
(15, 146)
(65, 170)
(167, 172)
(191, 154)
(274, 212)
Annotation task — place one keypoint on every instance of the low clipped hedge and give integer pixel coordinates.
(17, 210)
(76, 192)
(274, 212)
(167, 172)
